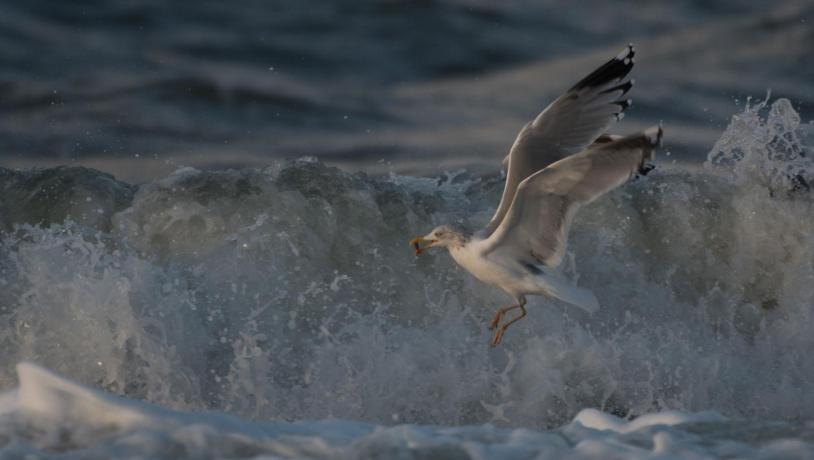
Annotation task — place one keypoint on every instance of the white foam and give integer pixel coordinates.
(49, 413)
(594, 419)
(44, 395)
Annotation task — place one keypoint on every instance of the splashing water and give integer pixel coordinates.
(776, 150)
(290, 293)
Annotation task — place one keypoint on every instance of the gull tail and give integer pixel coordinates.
(562, 289)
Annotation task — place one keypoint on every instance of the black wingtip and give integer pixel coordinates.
(624, 104)
(623, 88)
(613, 70)
(654, 136)
(656, 141)
(626, 53)
(646, 168)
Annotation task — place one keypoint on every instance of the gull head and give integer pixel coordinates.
(444, 236)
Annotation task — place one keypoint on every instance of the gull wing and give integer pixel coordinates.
(535, 229)
(567, 126)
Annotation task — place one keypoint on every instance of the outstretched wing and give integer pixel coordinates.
(535, 229)
(567, 126)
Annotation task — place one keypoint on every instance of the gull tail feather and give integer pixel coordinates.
(567, 292)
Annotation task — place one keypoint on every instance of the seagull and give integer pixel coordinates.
(559, 161)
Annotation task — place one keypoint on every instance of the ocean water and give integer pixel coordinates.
(189, 275)
(288, 298)
(141, 88)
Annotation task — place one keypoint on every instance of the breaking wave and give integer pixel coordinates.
(290, 292)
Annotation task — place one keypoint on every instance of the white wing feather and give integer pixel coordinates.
(568, 125)
(535, 229)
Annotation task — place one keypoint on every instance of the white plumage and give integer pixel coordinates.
(560, 160)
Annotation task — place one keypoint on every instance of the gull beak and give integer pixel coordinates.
(417, 241)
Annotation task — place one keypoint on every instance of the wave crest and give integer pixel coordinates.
(291, 293)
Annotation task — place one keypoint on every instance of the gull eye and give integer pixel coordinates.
(436, 234)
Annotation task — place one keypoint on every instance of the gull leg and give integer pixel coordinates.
(499, 315)
(499, 333)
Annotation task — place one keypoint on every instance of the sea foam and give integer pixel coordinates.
(290, 293)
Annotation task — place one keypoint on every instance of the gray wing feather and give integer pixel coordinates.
(567, 126)
(536, 226)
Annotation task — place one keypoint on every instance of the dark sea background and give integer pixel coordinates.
(141, 88)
